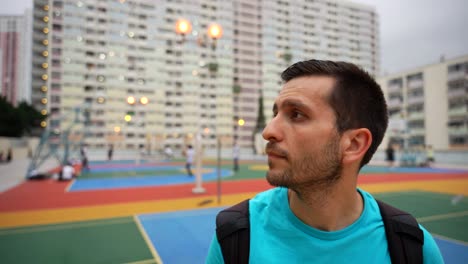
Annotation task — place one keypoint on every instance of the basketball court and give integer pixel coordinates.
(121, 212)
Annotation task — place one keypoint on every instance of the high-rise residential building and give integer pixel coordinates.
(319, 29)
(15, 49)
(99, 53)
(428, 105)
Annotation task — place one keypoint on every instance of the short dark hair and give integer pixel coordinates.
(356, 98)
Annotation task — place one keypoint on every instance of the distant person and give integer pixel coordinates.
(429, 156)
(235, 156)
(110, 152)
(84, 158)
(68, 172)
(168, 153)
(189, 155)
(390, 155)
(1, 156)
(9, 156)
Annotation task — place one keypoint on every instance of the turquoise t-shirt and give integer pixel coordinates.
(278, 236)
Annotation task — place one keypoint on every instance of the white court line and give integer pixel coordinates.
(441, 216)
(150, 245)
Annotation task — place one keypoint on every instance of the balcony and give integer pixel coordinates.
(458, 130)
(457, 93)
(417, 131)
(463, 110)
(416, 100)
(453, 76)
(416, 116)
(394, 88)
(414, 84)
(394, 103)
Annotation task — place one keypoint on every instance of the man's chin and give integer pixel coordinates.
(276, 178)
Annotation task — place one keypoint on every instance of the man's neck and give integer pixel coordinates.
(327, 209)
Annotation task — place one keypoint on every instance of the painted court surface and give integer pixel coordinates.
(121, 212)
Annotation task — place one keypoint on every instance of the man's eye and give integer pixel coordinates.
(296, 115)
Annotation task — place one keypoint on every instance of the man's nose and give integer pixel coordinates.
(272, 131)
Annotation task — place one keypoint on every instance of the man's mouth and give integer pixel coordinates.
(274, 152)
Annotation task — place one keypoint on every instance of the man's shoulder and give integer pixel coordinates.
(268, 199)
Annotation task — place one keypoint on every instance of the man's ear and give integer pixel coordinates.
(355, 142)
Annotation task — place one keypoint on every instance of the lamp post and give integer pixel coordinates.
(132, 101)
(214, 32)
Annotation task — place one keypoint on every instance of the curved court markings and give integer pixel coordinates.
(130, 182)
(146, 261)
(441, 216)
(147, 241)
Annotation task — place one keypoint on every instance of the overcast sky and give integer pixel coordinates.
(412, 32)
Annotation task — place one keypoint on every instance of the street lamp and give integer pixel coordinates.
(183, 27)
(215, 32)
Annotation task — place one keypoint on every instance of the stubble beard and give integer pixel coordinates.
(315, 172)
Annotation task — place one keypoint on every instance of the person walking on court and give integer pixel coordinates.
(110, 152)
(390, 155)
(235, 156)
(429, 156)
(84, 158)
(189, 155)
(9, 156)
(328, 120)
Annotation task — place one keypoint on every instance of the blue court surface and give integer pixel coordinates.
(185, 237)
(142, 181)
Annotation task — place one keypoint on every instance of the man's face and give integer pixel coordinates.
(303, 144)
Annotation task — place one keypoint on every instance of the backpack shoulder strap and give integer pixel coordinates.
(233, 233)
(405, 238)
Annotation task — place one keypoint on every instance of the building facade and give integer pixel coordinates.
(301, 30)
(97, 54)
(429, 105)
(15, 49)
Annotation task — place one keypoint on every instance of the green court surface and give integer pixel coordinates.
(435, 211)
(107, 241)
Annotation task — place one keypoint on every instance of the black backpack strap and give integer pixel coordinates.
(405, 238)
(233, 233)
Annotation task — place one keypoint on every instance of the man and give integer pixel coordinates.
(67, 173)
(110, 152)
(189, 154)
(328, 121)
(235, 156)
(84, 158)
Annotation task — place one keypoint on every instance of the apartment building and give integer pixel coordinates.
(15, 50)
(97, 54)
(319, 29)
(428, 105)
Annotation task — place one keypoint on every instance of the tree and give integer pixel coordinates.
(17, 121)
(9, 119)
(260, 115)
(236, 89)
(260, 123)
(213, 67)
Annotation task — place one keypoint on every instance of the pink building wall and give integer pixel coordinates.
(10, 48)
